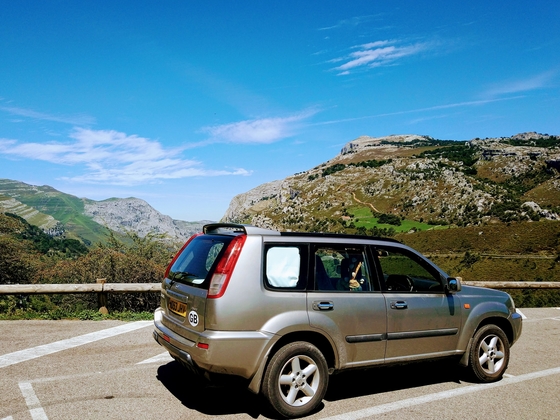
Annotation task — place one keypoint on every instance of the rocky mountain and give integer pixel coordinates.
(133, 214)
(399, 181)
(414, 178)
(65, 215)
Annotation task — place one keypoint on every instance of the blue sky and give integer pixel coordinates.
(186, 104)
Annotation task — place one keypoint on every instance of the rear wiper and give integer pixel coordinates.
(180, 275)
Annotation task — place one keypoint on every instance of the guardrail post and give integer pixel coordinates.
(102, 298)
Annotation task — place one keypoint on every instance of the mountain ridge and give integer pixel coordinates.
(413, 181)
(414, 177)
(61, 214)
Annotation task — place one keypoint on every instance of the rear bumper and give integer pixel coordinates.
(181, 356)
(226, 352)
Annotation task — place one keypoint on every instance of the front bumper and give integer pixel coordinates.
(516, 321)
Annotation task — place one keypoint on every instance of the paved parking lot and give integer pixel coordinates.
(115, 370)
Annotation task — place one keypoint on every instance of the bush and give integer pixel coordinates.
(389, 219)
(136, 260)
(128, 260)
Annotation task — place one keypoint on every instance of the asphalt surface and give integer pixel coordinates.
(115, 370)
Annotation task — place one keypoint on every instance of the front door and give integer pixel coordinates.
(346, 302)
(421, 318)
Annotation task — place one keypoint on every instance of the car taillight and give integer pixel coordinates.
(222, 273)
(179, 253)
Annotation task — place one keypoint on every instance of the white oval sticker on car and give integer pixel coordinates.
(193, 318)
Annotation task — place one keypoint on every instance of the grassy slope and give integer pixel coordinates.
(69, 210)
(527, 251)
(66, 208)
(363, 217)
(498, 238)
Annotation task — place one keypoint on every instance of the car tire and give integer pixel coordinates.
(296, 379)
(489, 354)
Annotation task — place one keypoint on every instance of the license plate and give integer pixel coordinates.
(177, 307)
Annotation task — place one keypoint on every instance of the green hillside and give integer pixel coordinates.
(65, 208)
(520, 251)
(29, 256)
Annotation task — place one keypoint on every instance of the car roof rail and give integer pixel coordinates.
(236, 228)
(340, 236)
(239, 228)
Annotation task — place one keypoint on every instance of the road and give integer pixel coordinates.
(115, 370)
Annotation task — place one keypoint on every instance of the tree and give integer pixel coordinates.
(389, 219)
(17, 263)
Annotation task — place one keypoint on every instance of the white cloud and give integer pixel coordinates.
(417, 110)
(351, 22)
(376, 54)
(66, 119)
(258, 131)
(539, 81)
(113, 157)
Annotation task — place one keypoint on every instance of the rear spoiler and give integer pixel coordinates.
(236, 228)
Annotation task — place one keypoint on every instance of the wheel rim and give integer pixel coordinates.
(299, 380)
(491, 355)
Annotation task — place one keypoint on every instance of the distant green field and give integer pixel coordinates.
(363, 217)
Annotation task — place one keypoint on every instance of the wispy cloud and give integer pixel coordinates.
(538, 81)
(258, 131)
(353, 21)
(79, 120)
(114, 158)
(417, 110)
(376, 54)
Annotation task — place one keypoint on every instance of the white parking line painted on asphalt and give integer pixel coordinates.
(33, 403)
(35, 409)
(35, 352)
(160, 358)
(397, 405)
(521, 313)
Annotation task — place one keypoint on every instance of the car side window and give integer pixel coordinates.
(341, 269)
(285, 267)
(405, 272)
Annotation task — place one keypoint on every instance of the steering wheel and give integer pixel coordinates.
(400, 283)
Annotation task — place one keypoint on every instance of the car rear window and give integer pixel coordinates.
(195, 263)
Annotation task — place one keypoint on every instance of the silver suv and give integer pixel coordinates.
(284, 310)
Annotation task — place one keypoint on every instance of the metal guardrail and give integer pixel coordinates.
(24, 289)
(102, 288)
(514, 284)
(37, 289)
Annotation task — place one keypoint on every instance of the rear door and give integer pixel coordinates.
(185, 287)
(346, 302)
(422, 320)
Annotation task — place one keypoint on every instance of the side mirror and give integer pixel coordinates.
(453, 284)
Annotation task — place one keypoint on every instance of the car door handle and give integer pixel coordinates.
(323, 306)
(399, 304)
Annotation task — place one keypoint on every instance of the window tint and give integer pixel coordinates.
(405, 272)
(341, 268)
(284, 267)
(197, 259)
